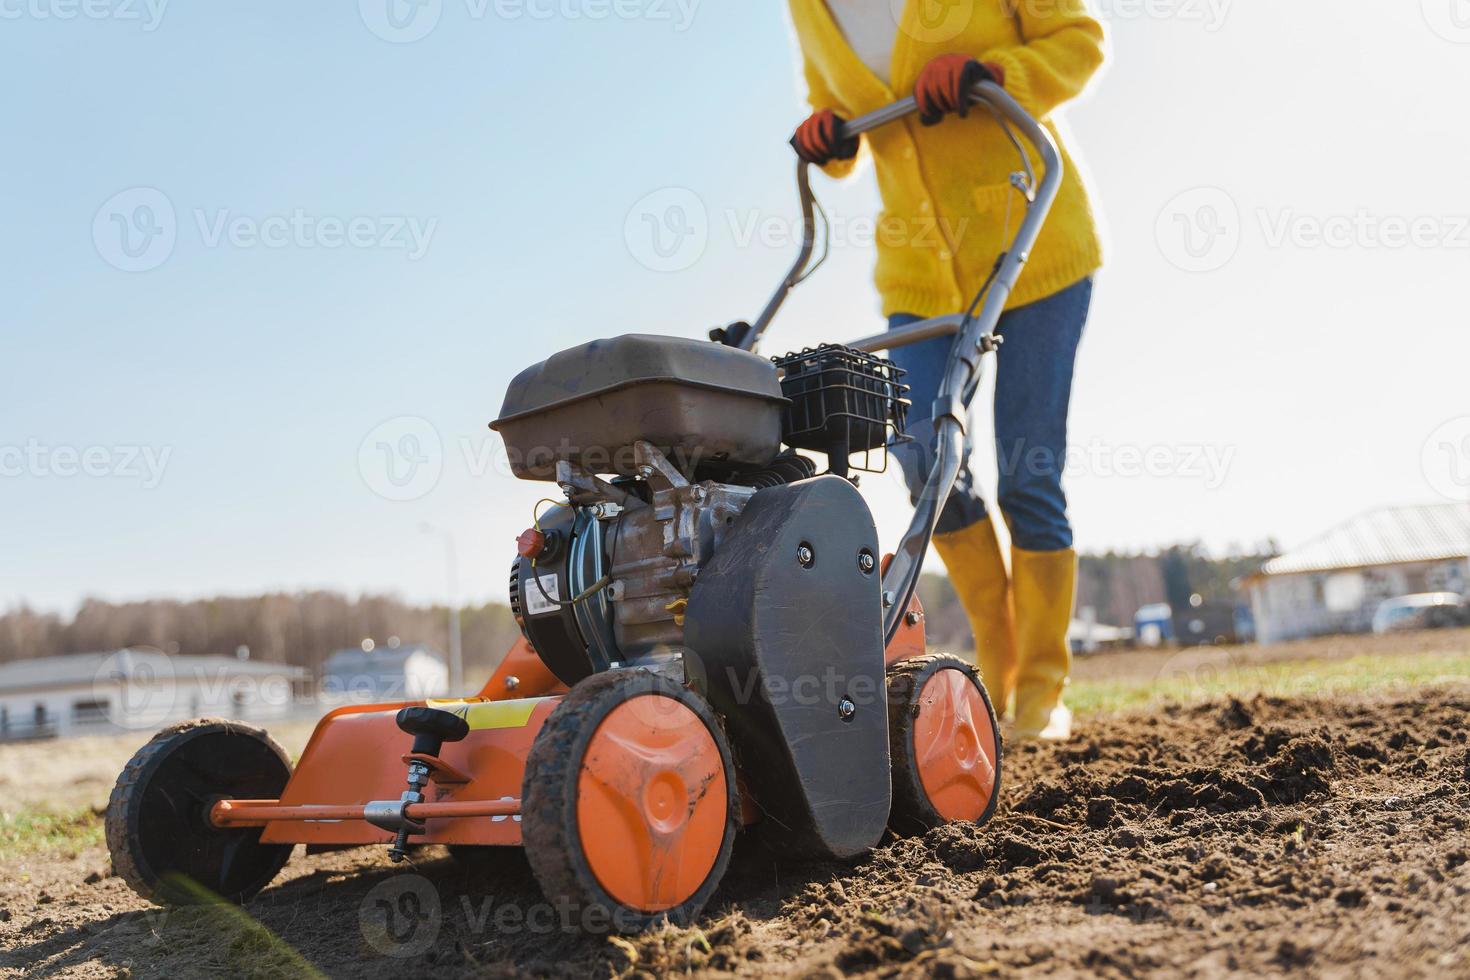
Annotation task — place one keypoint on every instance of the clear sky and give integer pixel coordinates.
(266, 265)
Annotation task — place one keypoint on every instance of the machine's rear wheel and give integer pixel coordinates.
(629, 809)
(158, 826)
(945, 744)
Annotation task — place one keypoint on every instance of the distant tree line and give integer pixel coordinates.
(301, 628)
(305, 628)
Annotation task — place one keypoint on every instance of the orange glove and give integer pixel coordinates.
(820, 139)
(944, 85)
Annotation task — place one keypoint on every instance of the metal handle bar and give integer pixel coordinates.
(974, 334)
(991, 96)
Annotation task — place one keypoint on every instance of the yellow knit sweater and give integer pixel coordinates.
(946, 188)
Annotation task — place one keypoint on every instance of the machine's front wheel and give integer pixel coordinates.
(158, 828)
(945, 744)
(629, 803)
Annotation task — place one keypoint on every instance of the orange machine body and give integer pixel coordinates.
(911, 638)
(357, 755)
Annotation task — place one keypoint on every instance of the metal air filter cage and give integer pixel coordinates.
(844, 403)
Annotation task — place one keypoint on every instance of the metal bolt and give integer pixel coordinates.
(888, 599)
(913, 617)
(805, 555)
(512, 682)
(846, 709)
(866, 562)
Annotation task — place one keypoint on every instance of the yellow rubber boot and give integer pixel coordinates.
(1045, 584)
(978, 572)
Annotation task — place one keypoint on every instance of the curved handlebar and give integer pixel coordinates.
(974, 332)
(991, 96)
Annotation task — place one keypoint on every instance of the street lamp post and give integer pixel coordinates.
(451, 566)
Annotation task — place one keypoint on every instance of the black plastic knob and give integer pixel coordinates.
(431, 728)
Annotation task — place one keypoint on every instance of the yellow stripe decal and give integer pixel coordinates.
(488, 715)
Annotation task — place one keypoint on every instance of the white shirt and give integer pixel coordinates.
(871, 28)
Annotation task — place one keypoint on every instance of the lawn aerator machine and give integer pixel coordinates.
(712, 639)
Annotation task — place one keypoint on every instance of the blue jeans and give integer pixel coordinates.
(1033, 388)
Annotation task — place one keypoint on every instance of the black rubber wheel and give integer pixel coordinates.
(913, 812)
(549, 821)
(157, 817)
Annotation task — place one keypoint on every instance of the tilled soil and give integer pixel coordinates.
(1275, 837)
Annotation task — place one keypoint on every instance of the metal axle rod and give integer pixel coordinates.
(258, 813)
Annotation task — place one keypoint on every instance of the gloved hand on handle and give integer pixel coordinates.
(944, 85)
(820, 139)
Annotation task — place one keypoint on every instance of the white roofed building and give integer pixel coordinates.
(391, 673)
(139, 690)
(1335, 582)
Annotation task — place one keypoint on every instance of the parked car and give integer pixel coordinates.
(1205, 624)
(1425, 611)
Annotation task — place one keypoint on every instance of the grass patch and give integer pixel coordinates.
(1207, 672)
(28, 833)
